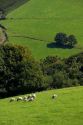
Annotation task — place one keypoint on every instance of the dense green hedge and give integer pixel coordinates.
(20, 73)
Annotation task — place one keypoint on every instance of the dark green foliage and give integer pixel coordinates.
(61, 39)
(20, 73)
(74, 67)
(2, 14)
(71, 41)
(34, 76)
(13, 66)
(59, 79)
(51, 64)
(64, 73)
(64, 41)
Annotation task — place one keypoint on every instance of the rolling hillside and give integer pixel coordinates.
(36, 22)
(67, 109)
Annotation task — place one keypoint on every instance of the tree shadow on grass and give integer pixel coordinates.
(55, 45)
(51, 45)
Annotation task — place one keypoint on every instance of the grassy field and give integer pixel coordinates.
(40, 20)
(67, 109)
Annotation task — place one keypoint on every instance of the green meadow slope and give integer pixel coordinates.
(36, 22)
(67, 109)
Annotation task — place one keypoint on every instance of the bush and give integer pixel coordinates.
(64, 73)
(51, 64)
(59, 79)
(62, 40)
(72, 41)
(34, 77)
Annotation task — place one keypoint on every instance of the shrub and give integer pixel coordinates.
(58, 80)
(62, 40)
(72, 41)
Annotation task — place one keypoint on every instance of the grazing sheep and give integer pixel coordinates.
(12, 99)
(25, 98)
(29, 96)
(34, 95)
(54, 96)
(31, 99)
(19, 99)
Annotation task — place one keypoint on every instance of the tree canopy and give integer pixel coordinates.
(62, 40)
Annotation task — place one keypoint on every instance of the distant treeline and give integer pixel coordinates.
(9, 5)
(20, 73)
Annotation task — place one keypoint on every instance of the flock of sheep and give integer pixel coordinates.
(28, 98)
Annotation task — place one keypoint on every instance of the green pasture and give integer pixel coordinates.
(40, 50)
(67, 109)
(42, 19)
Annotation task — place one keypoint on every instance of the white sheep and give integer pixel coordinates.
(31, 99)
(34, 95)
(12, 99)
(25, 98)
(54, 96)
(29, 96)
(19, 99)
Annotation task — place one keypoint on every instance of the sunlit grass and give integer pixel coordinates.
(67, 109)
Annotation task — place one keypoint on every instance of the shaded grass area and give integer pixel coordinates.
(66, 110)
(40, 50)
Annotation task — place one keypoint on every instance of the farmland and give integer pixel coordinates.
(35, 23)
(67, 109)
